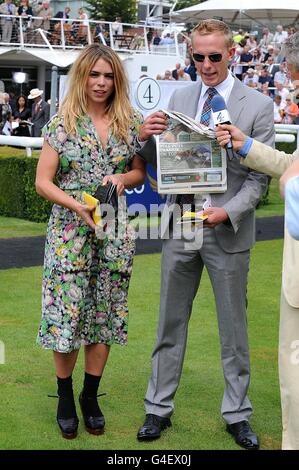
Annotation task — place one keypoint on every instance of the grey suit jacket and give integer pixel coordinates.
(40, 118)
(252, 112)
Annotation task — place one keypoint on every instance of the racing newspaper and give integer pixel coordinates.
(189, 158)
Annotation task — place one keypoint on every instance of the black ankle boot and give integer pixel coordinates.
(93, 417)
(67, 418)
(68, 425)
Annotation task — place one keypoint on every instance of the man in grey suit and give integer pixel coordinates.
(40, 112)
(228, 234)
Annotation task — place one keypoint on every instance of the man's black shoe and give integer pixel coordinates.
(152, 427)
(243, 434)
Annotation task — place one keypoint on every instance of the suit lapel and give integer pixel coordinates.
(236, 101)
(193, 102)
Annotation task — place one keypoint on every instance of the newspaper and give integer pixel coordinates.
(189, 158)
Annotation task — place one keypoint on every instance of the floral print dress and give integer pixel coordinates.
(85, 279)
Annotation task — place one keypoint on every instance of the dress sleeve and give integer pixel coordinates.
(54, 134)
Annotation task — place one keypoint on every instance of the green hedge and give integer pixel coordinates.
(18, 197)
(286, 146)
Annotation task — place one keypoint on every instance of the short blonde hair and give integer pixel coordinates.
(211, 26)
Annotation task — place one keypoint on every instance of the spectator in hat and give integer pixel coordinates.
(270, 51)
(251, 78)
(40, 112)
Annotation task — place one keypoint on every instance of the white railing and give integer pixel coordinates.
(284, 138)
(73, 33)
(26, 142)
(37, 142)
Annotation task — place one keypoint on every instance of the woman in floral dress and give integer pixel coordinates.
(91, 141)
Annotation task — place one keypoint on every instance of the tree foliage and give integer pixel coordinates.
(108, 10)
(185, 4)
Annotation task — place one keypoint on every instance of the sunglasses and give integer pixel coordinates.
(216, 57)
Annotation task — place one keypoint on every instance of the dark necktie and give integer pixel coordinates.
(206, 110)
(188, 199)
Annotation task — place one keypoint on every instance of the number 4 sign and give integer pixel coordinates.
(148, 93)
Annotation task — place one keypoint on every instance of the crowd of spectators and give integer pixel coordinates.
(258, 63)
(23, 115)
(38, 19)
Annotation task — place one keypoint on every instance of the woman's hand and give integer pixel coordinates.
(85, 212)
(117, 180)
(225, 132)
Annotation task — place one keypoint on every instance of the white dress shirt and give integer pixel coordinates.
(224, 89)
(203, 200)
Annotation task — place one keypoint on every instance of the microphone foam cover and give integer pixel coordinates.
(217, 103)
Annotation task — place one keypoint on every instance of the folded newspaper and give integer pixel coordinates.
(189, 158)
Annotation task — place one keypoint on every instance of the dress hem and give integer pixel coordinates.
(82, 344)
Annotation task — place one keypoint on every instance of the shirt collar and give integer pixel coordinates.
(221, 87)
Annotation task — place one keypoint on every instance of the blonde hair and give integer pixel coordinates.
(74, 106)
(212, 26)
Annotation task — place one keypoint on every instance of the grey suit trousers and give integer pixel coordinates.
(180, 278)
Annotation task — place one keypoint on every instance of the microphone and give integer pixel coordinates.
(221, 116)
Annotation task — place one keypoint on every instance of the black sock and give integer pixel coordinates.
(65, 386)
(89, 395)
(66, 404)
(91, 385)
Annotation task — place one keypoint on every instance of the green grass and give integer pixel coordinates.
(10, 227)
(276, 203)
(28, 416)
(6, 151)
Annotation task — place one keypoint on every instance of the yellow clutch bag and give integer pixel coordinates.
(93, 202)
